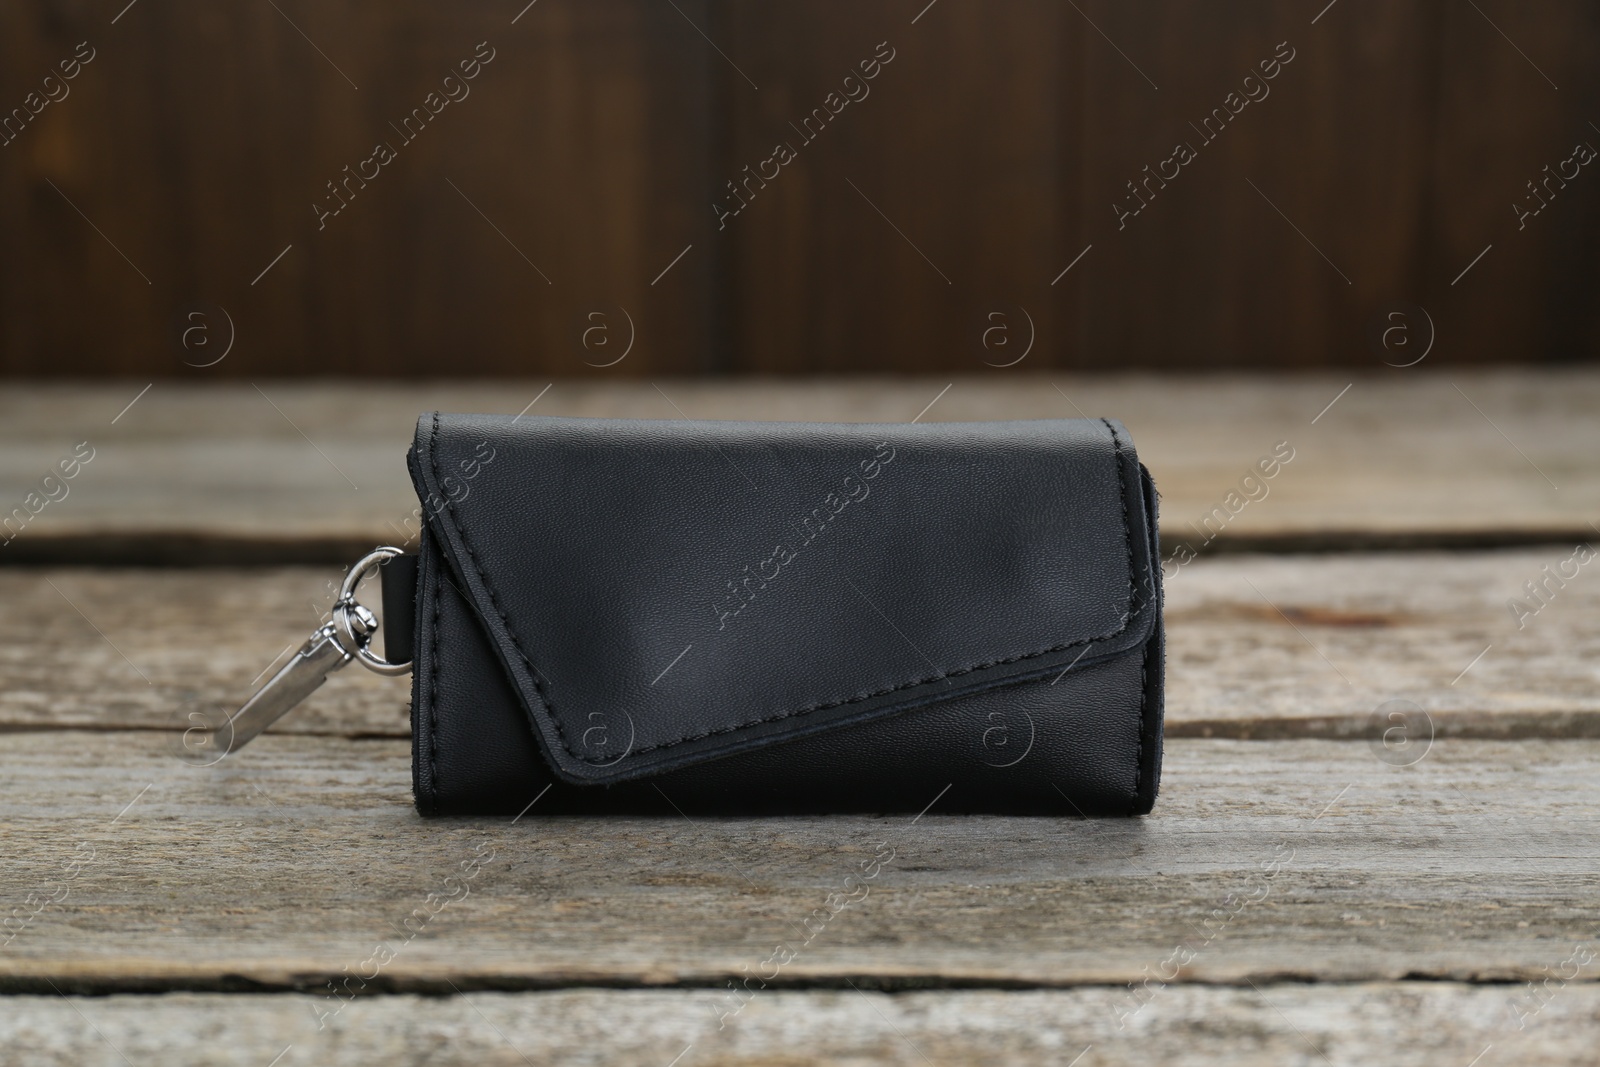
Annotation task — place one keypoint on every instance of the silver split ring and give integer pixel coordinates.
(354, 625)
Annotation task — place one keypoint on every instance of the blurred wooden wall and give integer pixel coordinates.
(567, 205)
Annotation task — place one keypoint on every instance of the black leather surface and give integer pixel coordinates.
(398, 580)
(982, 613)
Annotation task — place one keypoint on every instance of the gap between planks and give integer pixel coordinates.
(199, 547)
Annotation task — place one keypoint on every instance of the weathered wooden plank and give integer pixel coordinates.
(191, 473)
(1276, 646)
(145, 649)
(1258, 646)
(1403, 1024)
(1286, 860)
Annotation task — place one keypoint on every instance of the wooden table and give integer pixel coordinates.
(1309, 890)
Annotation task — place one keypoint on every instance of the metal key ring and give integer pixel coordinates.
(354, 643)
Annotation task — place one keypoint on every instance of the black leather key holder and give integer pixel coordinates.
(753, 617)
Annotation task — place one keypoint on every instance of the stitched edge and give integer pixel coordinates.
(425, 698)
(1149, 736)
(494, 600)
(433, 694)
(1127, 620)
(1144, 709)
(418, 705)
(1144, 695)
(1146, 727)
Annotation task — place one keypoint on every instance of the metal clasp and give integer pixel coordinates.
(348, 637)
(355, 625)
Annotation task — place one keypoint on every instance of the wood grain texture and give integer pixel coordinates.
(1280, 861)
(1296, 216)
(316, 473)
(188, 155)
(558, 181)
(104, 649)
(1403, 1024)
(933, 202)
(1505, 67)
(1299, 646)
(1257, 647)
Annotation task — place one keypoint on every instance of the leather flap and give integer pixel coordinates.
(663, 593)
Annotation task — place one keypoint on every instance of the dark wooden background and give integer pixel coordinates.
(985, 159)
